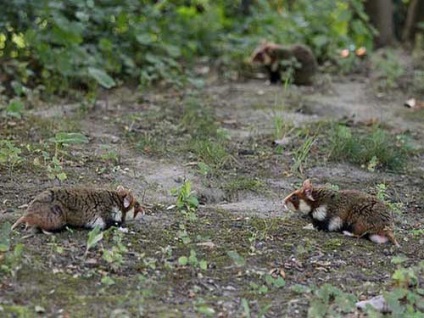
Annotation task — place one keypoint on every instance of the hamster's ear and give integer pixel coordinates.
(307, 189)
(120, 189)
(128, 200)
(307, 184)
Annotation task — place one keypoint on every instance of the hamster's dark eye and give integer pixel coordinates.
(295, 198)
(137, 205)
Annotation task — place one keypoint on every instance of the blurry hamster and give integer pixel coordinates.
(55, 208)
(351, 212)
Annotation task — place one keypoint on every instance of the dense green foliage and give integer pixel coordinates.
(57, 45)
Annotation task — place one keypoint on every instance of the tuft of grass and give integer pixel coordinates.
(212, 153)
(149, 144)
(243, 183)
(343, 145)
(388, 70)
(377, 149)
(198, 119)
(300, 155)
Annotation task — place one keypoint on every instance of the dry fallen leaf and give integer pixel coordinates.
(275, 272)
(310, 226)
(207, 244)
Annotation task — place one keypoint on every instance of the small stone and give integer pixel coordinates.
(39, 309)
(377, 302)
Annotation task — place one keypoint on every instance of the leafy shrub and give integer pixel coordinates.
(82, 44)
(326, 26)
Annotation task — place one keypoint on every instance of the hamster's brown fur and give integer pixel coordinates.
(271, 55)
(349, 211)
(52, 209)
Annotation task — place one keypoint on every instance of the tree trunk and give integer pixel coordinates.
(414, 16)
(380, 13)
(245, 7)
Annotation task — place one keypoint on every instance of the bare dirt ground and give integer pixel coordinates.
(137, 139)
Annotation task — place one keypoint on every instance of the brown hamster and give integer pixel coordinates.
(272, 55)
(52, 209)
(352, 212)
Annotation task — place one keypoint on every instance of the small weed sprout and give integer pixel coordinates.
(11, 261)
(193, 261)
(107, 281)
(252, 240)
(110, 155)
(54, 168)
(238, 260)
(114, 255)
(204, 309)
(53, 163)
(166, 255)
(182, 234)
(55, 248)
(94, 237)
(9, 155)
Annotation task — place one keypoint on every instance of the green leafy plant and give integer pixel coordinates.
(192, 260)
(94, 237)
(260, 289)
(187, 202)
(101, 77)
(54, 168)
(268, 283)
(64, 139)
(107, 280)
(238, 260)
(274, 282)
(15, 109)
(330, 301)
